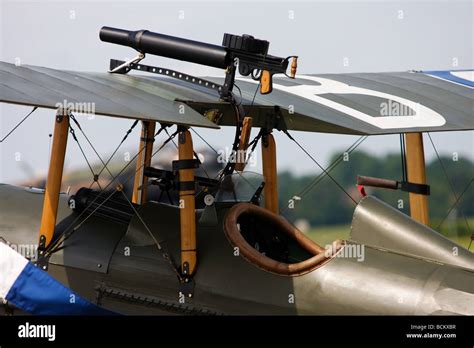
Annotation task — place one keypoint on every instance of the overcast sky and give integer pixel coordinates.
(372, 36)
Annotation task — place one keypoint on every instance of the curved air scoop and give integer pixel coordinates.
(378, 224)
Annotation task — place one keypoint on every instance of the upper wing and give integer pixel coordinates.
(371, 103)
(107, 94)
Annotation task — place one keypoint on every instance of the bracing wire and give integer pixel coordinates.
(18, 124)
(451, 185)
(66, 234)
(321, 167)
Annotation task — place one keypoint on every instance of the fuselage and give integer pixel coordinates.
(119, 267)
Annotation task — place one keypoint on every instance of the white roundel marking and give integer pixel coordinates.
(422, 117)
(465, 75)
(11, 266)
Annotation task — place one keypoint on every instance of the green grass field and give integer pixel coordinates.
(457, 232)
(324, 235)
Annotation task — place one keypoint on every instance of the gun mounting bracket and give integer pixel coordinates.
(274, 120)
(122, 67)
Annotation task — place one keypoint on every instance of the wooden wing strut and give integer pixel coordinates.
(270, 173)
(187, 205)
(140, 187)
(417, 174)
(53, 182)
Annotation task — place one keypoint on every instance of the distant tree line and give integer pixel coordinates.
(327, 204)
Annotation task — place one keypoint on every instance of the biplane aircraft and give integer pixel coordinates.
(222, 247)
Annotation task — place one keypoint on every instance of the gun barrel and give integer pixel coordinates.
(168, 46)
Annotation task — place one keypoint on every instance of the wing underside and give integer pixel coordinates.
(370, 103)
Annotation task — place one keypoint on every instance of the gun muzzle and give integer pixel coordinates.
(145, 41)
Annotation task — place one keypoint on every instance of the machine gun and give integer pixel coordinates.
(247, 53)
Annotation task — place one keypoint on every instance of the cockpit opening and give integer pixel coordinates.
(271, 243)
